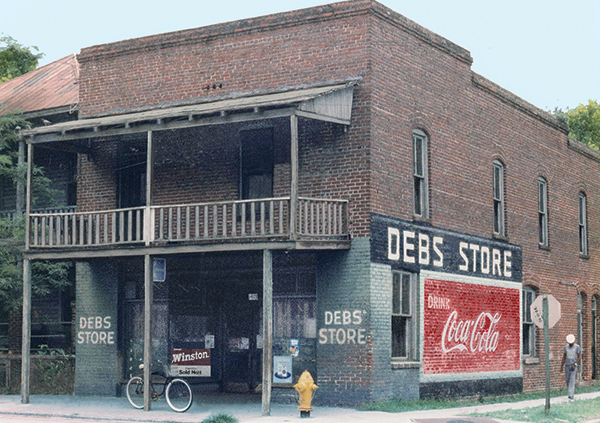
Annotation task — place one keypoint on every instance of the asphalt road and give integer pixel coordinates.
(48, 419)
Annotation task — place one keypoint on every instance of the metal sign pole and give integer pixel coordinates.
(547, 348)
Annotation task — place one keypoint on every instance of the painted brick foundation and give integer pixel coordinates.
(97, 370)
(344, 368)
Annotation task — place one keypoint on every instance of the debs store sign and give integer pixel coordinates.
(469, 296)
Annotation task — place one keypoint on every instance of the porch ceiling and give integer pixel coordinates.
(331, 103)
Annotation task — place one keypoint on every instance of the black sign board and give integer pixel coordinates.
(414, 246)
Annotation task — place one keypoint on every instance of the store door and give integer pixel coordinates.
(243, 340)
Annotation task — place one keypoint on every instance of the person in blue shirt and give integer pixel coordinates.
(570, 361)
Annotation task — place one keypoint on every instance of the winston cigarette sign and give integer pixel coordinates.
(470, 327)
(190, 362)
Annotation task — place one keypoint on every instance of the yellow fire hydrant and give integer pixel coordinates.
(305, 387)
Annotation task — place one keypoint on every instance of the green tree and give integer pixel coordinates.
(583, 122)
(16, 59)
(46, 276)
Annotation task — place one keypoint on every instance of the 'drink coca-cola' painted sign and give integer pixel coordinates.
(470, 327)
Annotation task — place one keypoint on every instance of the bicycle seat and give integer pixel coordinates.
(157, 367)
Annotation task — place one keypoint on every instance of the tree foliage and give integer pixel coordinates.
(16, 59)
(583, 122)
(46, 276)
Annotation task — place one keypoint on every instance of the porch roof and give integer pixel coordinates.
(331, 103)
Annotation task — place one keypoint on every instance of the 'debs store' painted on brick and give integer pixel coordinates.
(413, 247)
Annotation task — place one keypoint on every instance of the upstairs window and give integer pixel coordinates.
(583, 245)
(420, 189)
(257, 161)
(404, 316)
(542, 212)
(499, 224)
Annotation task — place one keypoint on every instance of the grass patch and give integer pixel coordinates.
(220, 418)
(401, 406)
(578, 411)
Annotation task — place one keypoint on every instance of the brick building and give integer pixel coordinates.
(331, 189)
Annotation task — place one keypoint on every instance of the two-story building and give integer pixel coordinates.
(331, 189)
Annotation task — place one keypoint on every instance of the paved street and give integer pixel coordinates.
(59, 409)
(38, 419)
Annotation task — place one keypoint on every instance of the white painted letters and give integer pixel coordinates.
(477, 336)
(393, 244)
(345, 335)
(94, 330)
(408, 246)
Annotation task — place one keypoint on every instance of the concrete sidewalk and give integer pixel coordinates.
(244, 408)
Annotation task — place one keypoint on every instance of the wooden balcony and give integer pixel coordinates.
(226, 222)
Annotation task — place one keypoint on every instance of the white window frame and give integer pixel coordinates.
(420, 175)
(542, 212)
(583, 235)
(528, 339)
(404, 316)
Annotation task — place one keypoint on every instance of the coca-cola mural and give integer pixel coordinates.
(469, 288)
(470, 327)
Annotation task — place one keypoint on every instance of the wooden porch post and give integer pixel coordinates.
(294, 173)
(148, 216)
(20, 184)
(28, 195)
(26, 335)
(267, 358)
(148, 297)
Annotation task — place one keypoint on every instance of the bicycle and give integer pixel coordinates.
(177, 392)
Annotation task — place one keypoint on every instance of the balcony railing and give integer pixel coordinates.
(9, 219)
(316, 219)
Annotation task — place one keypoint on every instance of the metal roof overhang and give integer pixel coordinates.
(332, 103)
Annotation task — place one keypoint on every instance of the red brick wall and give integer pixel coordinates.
(240, 57)
(97, 181)
(470, 123)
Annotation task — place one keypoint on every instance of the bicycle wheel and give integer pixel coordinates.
(179, 395)
(135, 392)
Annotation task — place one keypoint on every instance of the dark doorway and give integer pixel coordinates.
(256, 157)
(132, 173)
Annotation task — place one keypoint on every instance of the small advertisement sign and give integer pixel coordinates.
(470, 327)
(190, 362)
(159, 270)
(282, 369)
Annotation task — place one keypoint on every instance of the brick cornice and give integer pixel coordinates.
(518, 103)
(422, 33)
(245, 26)
(271, 22)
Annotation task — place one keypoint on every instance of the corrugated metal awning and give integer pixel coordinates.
(331, 103)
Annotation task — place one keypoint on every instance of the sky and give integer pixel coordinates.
(545, 51)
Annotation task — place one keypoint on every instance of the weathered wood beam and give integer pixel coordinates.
(267, 357)
(148, 299)
(85, 133)
(294, 176)
(26, 335)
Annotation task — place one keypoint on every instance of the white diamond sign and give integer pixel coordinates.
(537, 311)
